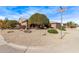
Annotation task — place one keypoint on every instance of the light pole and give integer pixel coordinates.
(61, 11)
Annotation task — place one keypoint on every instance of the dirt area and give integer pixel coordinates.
(69, 44)
(36, 38)
(9, 49)
(38, 42)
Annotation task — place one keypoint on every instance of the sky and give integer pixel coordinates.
(71, 13)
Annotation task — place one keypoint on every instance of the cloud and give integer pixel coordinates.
(2, 17)
(14, 12)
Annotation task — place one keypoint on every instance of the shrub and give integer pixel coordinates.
(10, 31)
(27, 31)
(63, 28)
(71, 24)
(53, 31)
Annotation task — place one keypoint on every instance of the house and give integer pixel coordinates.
(55, 25)
(23, 23)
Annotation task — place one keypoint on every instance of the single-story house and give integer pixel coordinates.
(23, 23)
(55, 25)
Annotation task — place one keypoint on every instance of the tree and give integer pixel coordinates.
(39, 20)
(71, 24)
(2, 24)
(11, 23)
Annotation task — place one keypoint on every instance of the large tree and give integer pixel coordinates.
(38, 19)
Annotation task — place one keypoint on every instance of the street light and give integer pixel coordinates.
(61, 11)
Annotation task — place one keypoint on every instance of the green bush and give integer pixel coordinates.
(53, 31)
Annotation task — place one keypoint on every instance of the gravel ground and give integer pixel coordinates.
(69, 44)
(37, 42)
(9, 49)
(36, 38)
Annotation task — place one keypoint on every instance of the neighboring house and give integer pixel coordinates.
(55, 25)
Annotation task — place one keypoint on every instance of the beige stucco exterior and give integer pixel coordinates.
(55, 25)
(22, 22)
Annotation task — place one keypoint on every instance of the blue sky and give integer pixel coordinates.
(71, 13)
